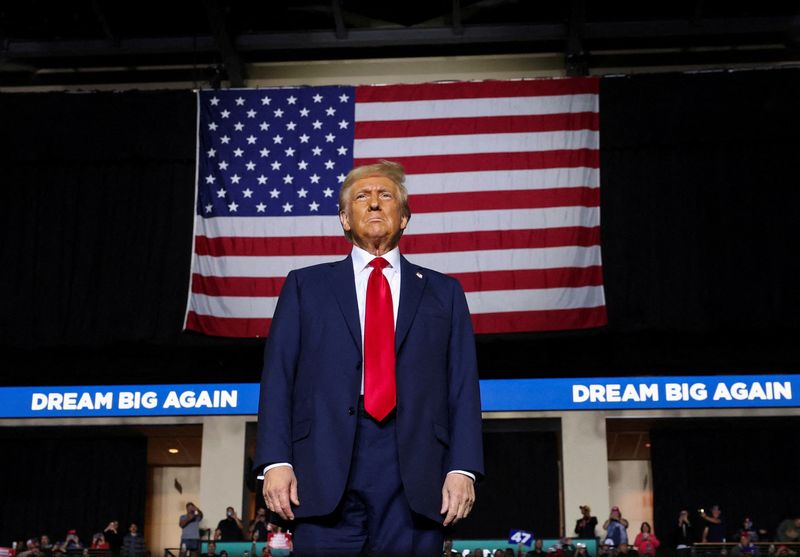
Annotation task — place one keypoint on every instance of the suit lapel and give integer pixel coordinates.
(343, 285)
(412, 284)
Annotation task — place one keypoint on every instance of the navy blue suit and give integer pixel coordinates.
(312, 377)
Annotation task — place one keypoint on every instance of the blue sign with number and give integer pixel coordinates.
(520, 537)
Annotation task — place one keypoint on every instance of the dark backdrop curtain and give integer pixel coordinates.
(98, 202)
(699, 200)
(747, 466)
(62, 478)
(521, 489)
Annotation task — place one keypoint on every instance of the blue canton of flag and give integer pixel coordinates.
(274, 152)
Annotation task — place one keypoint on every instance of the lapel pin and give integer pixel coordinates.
(419, 275)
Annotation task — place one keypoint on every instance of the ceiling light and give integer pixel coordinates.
(172, 451)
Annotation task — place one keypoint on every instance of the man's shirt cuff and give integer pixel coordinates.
(464, 472)
(271, 466)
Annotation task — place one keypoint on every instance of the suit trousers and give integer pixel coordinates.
(374, 517)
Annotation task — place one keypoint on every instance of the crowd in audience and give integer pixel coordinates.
(682, 540)
(110, 541)
(744, 540)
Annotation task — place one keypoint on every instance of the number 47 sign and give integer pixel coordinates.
(520, 537)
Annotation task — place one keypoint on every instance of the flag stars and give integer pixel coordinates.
(289, 152)
(223, 165)
(302, 165)
(211, 153)
(210, 179)
(291, 126)
(225, 113)
(304, 138)
(343, 124)
(316, 151)
(238, 152)
(327, 192)
(340, 178)
(261, 207)
(292, 100)
(265, 101)
(287, 207)
(251, 140)
(214, 101)
(314, 178)
(330, 111)
(263, 126)
(343, 98)
(317, 124)
(313, 207)
(221, 192)
(288, 179)
(209, 208)
(304, 112)
(329, 164)
(251, 113)
(240, 101)
(225, 139)
(238, 126)
(276, 165)
(277, 140)
(329, 138)
(250, 165)
(248, 193)
(274, 193)
(278, 113)
(212, 126)
(235, 179)
(342, 150)
(233, 206)
(264, 153)
(317, 98)
(262, 180)
(302, 192)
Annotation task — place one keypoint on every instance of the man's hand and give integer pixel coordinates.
(280, 491)
(458, 496)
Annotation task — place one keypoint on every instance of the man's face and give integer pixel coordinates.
(133, 528)
(538, 543)
(229, 511)
(715, 513)
(212, 547)
(372, 213)
(623, 548)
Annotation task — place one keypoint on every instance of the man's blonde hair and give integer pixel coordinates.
(387, 169)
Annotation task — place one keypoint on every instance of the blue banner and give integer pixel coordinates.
(628, 393)
(607, 393)
(129, 400)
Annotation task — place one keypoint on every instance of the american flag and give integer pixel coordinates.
(503, 184)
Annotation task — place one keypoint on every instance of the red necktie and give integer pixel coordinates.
(380, 390)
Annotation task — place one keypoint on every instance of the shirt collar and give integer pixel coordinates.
(362, 258)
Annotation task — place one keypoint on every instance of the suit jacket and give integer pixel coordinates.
(312, 379)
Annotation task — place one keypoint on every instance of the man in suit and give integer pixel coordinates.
(369, 417)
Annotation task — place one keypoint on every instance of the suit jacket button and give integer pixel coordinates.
(351, 411)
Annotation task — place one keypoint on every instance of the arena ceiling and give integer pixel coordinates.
(51, 43)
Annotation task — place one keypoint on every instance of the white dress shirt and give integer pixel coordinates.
(361, 270)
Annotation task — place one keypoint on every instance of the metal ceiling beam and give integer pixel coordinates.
(97, 50)
(234, 66)
(338, 19)
(576, 55)
(101, 19)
